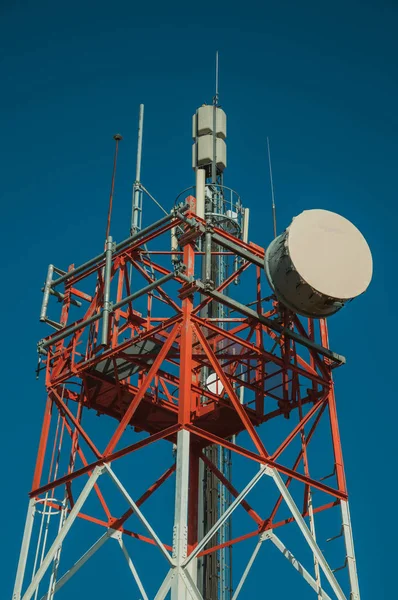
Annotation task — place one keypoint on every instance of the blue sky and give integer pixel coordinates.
(319, 79)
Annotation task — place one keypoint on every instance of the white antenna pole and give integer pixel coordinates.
(215, 104)
(135, 220)
(272, 188)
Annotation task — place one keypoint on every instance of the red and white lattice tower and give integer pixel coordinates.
(138, 363)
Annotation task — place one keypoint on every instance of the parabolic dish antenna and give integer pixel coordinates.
(319, 263)
(214, 385)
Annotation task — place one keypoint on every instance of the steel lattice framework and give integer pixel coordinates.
(142, 368)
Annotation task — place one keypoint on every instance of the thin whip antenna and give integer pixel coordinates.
(215, 100)
(272, 188)
(117, 139)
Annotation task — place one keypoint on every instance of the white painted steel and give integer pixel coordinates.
(57, 557)
(165, 587)
(63, 532)
(82, 560)
(27, 534)
(131, 566)
(200, 561)
(180, 529)
(247, 569)
(226, 514)
(299, 567)
(313, 532)
(190, 586)
(138, 512)
(306, 533)
(349, 544)
(319, 263)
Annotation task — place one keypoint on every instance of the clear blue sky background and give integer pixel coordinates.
(319, 78)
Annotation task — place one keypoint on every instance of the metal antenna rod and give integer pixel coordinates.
(215, 104)
(272, 188)
(216, 96)
(117, 139)
(135, 217)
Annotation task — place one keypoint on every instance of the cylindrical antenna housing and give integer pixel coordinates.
(245, 229)
(174, 244)
(202, 132)
(200, 192)
(321, 262)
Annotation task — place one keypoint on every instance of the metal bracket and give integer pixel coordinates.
(54, 324)
(332, 474)
(40, 349)
(342, 567)
(336, 537)
(61, 296)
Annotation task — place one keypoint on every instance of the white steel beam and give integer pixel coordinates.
(82, 560)
(180, 529)
(349, 545)
(138, 512)
(62, 533)
(27, 534)
(226, 514)
(313, 532)
(57, 557)
(165, 587)
(131, 566)
(307, 533)
(248, 567)
(190, 585)
(299, 567)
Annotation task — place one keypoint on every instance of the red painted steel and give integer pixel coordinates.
(159, 389)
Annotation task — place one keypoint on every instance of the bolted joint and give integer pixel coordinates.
(266, 535)
(209, 285)
(179, 268)
(41, 349)
(209, 228)
(174, 555)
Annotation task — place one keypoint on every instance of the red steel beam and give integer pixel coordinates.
(170, 431)
(231, 394)
(214, 439)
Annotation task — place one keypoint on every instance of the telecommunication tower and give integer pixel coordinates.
(155, 338)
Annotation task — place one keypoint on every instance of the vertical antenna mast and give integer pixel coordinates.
(216, 96)
(137, 208)
(215, 104)
(272, 188)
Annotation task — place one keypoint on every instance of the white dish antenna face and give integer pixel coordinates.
(214, 384)
(319, 263)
